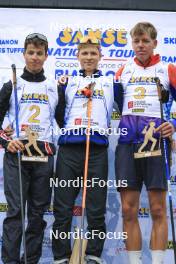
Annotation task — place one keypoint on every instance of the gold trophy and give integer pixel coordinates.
(148, 137)
(32, 141)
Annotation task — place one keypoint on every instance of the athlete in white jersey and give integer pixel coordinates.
(37, 100)
(142, 118)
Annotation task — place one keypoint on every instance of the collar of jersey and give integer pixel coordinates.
(30, 77)
(95, 74)
(154, 59)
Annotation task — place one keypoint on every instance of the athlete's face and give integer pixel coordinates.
(34, 58)
(143, 46)
(89, 58)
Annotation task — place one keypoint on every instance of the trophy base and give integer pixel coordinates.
(147, 154)
(34, 158)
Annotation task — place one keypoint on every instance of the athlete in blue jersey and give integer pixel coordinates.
(142, 118)
(71, 155)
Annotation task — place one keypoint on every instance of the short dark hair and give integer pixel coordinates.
(37, 40)
(142, 28)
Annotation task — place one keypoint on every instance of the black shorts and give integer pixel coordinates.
(150, 171)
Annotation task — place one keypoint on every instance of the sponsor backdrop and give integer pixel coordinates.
(64, 28)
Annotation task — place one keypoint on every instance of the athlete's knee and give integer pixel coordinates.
(158, 212)
(63, 215)
(14, 214)
(96, 221)
(36, 225)
(129, 212)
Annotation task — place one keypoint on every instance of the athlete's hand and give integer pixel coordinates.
(62, 80)
(15, 145)
(166, 129)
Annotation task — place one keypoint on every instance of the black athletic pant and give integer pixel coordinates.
(37, 193)
(70, 166)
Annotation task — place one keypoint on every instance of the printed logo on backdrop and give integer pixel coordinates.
(49, 211)
(10, 46)
(115, 115)
(3, 207)
(114, 50)
(168, 41)
(143, 212)
(77, 210)
(170, 244)
(173, 180)
(114, 42)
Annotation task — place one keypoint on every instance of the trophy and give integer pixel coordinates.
(148, 137)
(32, 137)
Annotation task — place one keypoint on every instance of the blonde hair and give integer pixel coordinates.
(142, 28)
(87, 41)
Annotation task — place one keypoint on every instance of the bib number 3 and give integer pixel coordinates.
(140, 93)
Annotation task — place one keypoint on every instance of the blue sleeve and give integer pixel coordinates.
(60, 108)
(167, 111)
(118, 95)
(173, 92)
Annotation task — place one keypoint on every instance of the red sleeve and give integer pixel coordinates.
(119, 73)
(172, 74)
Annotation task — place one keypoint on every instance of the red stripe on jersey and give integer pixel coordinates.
(172, 74)
(3, 135)
(119, 73)
(48, 148)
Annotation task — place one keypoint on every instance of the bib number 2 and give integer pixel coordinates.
(33, 117)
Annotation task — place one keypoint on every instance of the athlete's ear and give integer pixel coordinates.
(100, 54)
(77, 54)
(155, 43)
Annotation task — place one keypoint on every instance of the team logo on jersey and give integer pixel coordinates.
(130, 104)
(78, 121)
(51, 90)
(160, 70)
(34, 97)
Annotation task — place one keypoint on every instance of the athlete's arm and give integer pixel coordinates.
(60, 108)
(5, 94)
